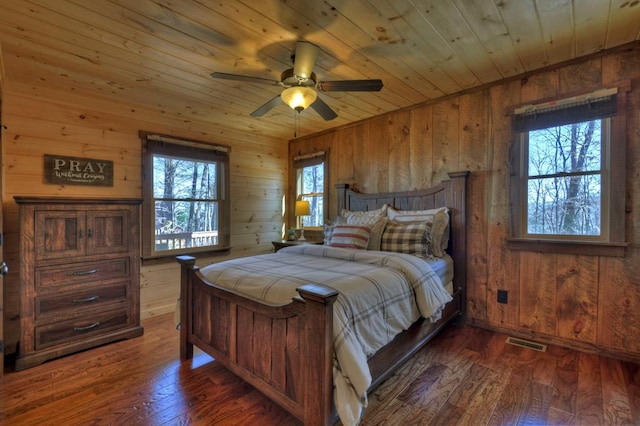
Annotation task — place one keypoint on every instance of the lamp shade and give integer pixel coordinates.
(303, 208)
(299, 97)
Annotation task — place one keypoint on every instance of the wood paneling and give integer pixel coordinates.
(587, 302)
(158, 54)
(49, 121)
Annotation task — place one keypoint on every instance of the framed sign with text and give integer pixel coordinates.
(63, 170)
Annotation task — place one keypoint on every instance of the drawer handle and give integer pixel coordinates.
(88, 327)
(89, 272)
(86, 299)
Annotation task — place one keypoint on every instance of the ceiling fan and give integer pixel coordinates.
(300, 84)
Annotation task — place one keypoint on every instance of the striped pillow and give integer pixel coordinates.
(410, 238)
(350, 236)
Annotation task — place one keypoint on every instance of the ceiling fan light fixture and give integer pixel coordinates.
(299, 97)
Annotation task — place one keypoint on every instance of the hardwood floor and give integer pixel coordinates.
(466, 376)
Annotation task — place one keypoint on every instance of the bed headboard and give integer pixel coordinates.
(450, 193)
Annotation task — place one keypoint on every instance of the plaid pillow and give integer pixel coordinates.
(437, 219)
(410, 238)
(350, 236)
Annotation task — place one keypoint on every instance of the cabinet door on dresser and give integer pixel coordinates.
(58, 234)
(108, 231)
(79, 275)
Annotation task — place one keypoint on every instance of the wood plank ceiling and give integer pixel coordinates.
(158, 54)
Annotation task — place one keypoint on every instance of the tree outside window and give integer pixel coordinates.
(185, 208)
(312, 183)
(565, 178)
(568, 174)
(310, 172)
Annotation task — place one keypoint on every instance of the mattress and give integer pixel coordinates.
(443, 267)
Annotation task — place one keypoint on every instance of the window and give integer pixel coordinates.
(566, 180)
(566, 173)
(185, 208)
(310, 186)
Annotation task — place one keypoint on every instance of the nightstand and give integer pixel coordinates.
(277, 245)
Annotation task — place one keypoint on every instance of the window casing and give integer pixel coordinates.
(310, 177)
(186, 186)
(567, 175)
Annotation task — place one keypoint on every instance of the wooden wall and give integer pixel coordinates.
(588, 302)
(41, 120)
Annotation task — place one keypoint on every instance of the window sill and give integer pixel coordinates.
(171, 257)
(568, 247)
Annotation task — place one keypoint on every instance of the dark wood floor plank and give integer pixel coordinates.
(543, 365)
(589, 393)
(631, 372)
(512, 400)
(428, 404)
(465, 376)
(535, 410)
(617, 409)
(565, 387)
(561, 418)
(485, 399)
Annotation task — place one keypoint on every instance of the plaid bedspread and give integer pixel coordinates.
(380, 295)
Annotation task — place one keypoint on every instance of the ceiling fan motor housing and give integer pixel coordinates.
(289, 79)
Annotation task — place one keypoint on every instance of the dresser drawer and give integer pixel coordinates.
(76, 302)
(80, 328)
(77, 273)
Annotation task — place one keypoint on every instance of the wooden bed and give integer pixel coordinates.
(286, 351)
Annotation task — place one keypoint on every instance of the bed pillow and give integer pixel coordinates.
(350, 236)
(328, 228)
(438, 219)
(409, 238)
(376, 224)
(378, 213)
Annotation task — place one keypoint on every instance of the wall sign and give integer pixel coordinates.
(77, 171)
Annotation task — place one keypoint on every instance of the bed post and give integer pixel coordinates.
(458, 187)
(318, 354)
(342, 196)
(188, 264)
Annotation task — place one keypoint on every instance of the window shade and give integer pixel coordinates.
(301, 161)
(597, 105)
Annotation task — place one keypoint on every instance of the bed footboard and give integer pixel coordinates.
(283, 351)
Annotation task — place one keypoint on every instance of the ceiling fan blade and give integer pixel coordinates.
(267, 107)
(323, 109)
(246, 78)
(351, 86)
(305, 59)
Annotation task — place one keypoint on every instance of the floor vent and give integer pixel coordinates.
(526, 344)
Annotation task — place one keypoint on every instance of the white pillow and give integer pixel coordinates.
(381, 212)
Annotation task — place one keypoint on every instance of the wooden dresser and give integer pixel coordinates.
(79, 275)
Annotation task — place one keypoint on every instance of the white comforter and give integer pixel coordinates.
(380, 295)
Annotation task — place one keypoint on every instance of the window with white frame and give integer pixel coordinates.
(310, 172)
(563, 169)
(185, 185)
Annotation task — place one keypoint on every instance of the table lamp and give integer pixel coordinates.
(302, 209)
